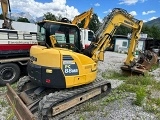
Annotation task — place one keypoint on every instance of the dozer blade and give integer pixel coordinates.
(144, 63)
(19, 108)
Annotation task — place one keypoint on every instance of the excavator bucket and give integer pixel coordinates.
(144, 63)
(148, 59)
(21, 111)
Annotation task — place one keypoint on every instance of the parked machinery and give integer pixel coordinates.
(86, 34)
(14, 48)
(60, 76)
(83, 16)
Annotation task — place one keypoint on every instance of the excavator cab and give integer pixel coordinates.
(66, 35)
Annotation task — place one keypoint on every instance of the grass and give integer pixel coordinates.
(11, 115)
(156, 85)
(88, 107)
(156, 101)
(140, 96)
(155, 67)
(113, 75)
(139, 80)
(115, 95)
(4, 89)
(3, 102)
(140, 85)
(82, 117)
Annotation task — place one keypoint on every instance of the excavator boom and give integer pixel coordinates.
(85, 15)
(105, 32)
(104, 35)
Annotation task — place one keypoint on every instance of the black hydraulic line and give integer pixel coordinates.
(9, 6)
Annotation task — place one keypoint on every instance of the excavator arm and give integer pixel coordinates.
(5, 6)
(105, 32)
(85, 15)
(104, 35)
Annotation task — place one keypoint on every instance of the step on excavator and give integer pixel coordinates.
(60, 75)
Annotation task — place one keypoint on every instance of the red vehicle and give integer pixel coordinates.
(14, 48)
(14, 53)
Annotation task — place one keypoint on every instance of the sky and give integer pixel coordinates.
(145, 10)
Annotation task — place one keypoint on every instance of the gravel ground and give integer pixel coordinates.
(112, 62)
(121, 109)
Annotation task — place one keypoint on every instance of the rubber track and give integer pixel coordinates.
(53, 99)
(21, 83)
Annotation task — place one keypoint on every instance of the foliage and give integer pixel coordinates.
(59, 17)
(114, 95)
(88, 107)
(151, 28)
(139, 80)
(1, 16)
(152, 31)
(140, 96)
(113, 75)
(21, 19)
(155, 32)
(50, 16)
(94, 23)
(141, 86)
(122, 30)
(81, 24)
(156, 85)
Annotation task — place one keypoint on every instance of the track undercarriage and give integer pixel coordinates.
(39, 103)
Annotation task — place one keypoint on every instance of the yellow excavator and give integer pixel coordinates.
(85, 32)
(60, 75)
(85, 15)
(5, 6)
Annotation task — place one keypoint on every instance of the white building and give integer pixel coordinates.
(121, 43)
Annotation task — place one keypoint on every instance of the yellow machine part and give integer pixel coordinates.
(79, 70)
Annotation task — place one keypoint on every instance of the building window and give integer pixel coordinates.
(124, 44)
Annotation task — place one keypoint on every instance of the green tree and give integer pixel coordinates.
(59, 17)
(152, 31)
(94, 23)
(155, 31)
(122, 30)
(81, 24)
(1, 16)
(21, 19)
(146, 30)
(49, 16)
